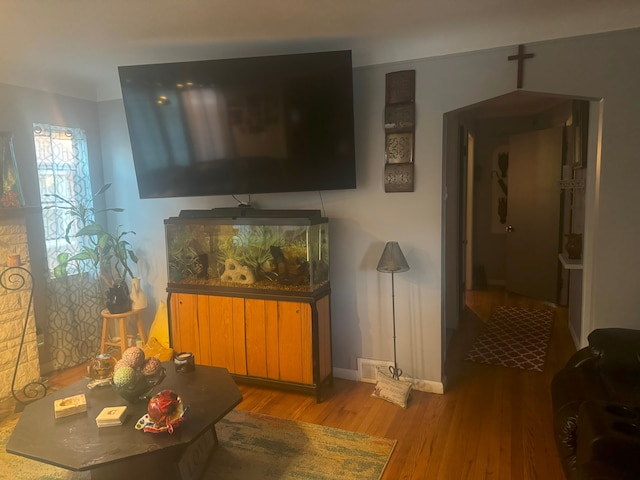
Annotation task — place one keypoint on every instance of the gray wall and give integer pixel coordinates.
(363, 219)
(605, 66)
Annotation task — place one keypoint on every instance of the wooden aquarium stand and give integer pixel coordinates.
(268, 338)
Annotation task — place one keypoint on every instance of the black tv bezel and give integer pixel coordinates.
(345, 177)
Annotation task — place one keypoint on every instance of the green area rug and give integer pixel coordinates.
(252, 447)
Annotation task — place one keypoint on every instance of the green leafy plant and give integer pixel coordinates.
(107, 254)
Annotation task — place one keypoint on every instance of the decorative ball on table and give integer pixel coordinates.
(124, 376)
(134, 357)
(151, 366)
(165, 411)
(135, 377)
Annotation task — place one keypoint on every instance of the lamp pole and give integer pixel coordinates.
(395, 371)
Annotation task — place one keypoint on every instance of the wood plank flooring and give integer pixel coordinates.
(492, 422)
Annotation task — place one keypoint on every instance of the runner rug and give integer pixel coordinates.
(514, 337)
(252, 446)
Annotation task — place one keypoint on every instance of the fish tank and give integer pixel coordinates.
(283, 251)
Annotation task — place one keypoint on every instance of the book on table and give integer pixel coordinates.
(111, 416)
(64, 407)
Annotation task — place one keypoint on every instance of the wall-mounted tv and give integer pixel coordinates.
(279, 123)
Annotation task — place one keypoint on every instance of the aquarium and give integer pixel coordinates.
(246, 248)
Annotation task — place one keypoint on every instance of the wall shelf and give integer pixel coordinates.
(570, 264)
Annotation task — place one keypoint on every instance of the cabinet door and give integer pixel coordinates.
(262, 361)
(225, 339)
(210, 327)
(295, 351)
(185, 331)
(279, 343)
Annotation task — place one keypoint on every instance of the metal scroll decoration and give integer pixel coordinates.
(15, 278)
(399, 126)
(501, 179)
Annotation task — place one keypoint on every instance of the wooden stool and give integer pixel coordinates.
(122, 327)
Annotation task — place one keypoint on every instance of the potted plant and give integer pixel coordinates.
(107, 254)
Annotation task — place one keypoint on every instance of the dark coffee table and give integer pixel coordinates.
(122, 453)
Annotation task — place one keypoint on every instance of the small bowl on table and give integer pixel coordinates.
(140, 389)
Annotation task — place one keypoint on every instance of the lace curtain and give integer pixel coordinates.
(74, 303)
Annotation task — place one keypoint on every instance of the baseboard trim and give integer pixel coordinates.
(345, 373)
(426, 385)
(418, 384)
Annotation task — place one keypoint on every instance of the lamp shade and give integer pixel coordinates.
(392, 259)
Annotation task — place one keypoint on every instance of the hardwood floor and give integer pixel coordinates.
(492, 422)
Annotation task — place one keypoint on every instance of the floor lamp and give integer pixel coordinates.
(392, 261)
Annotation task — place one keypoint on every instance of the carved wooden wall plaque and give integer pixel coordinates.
(399, 126)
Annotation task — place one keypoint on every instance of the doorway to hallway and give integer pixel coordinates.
(514, 248)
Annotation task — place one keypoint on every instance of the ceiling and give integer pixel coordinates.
(74, 47)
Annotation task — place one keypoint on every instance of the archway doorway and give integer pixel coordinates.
(476, 240)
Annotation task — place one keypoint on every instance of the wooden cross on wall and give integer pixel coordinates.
(520, 57)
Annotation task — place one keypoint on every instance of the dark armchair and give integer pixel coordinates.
(596, 408)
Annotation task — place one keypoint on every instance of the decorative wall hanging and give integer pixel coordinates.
(11, 191)
(399, 126)
(499, 188)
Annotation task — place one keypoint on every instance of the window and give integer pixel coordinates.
(63, 169)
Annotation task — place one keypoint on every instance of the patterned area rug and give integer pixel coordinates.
(252, 446)
(515, 337)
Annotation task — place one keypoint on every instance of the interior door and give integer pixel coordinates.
(533, 213)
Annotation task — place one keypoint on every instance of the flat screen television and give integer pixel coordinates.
(267, 124)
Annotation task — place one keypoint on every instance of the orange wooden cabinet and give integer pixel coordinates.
(282, 342)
